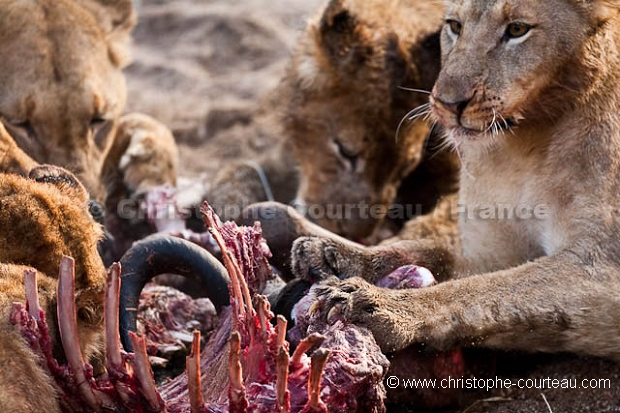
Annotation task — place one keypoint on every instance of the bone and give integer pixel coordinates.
(144, 374)
(114, 360)
(240, 287)
(240, 308)
(32, 294)
(244, 287)
(245, 264)
(283, 396)
(237, 399)
(263, 310)
(68, 332)
(281, 328)
(314, 339)
(192, 366)
(112, 335)
(211, 221)
(317, 364)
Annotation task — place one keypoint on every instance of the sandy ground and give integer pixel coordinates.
(202, 67)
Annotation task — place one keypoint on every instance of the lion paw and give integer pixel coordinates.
(358, 302)
(315, 259)
(150, 158)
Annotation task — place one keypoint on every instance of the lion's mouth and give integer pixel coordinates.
(494, 128)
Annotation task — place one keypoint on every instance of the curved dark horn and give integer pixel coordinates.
(289, 295)
(163, 254)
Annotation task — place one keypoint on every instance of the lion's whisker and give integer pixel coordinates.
(508, 127)
(415, 90)
(427, 139)
(492, 122)
(455, 145)
(419, 115)
(412, 115)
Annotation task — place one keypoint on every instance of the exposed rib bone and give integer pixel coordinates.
(235, 277)
(244, 286)
(281, 328)
(32, 294)
(144, 374)
(112, 335)
(263, 309)
(283, 396)
(238, 402)
(230, 262)
(192, 365)
(115, 365)
(237, 296)
(317, 364)
(314, 339)
(69, 334)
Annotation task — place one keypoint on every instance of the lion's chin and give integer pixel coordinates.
(461, 133)
(495, 130)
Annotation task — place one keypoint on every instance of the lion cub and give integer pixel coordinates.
(528, 94)
(348, 81)
(339, 105)
(62, 94)
(45, 217)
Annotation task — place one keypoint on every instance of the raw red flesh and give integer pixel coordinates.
(413, 362)
(245, 367)
(127, 386)
(254, 377)
(167, 319)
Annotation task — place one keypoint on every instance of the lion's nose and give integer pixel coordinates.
(456, 108)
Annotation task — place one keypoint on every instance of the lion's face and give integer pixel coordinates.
(61, 86)
(351, 163)
(46, 218)
(347, 76)
(500, 57)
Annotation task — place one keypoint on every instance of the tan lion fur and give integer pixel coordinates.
(347, 81)
(62, 93)
(44, 218)
(343, 94)
(61, 84)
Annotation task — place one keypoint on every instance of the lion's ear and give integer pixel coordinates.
(604, 10)
(64, 180)
(116, 18)
(342, 36)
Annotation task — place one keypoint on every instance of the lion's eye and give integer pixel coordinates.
(97, 121)
(20, 129)
(100, 128)
(370, 308)
(347, 154)
(516, 30)
(455, 26)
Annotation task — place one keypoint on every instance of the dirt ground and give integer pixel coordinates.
(538, 372)
(203, 66)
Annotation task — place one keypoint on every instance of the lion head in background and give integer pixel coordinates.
(348, 76)
(62, 89)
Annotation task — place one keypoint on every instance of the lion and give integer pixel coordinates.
(335, 116)
(357, 70)
(45, 217)
(527, 252)
(62, 94)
